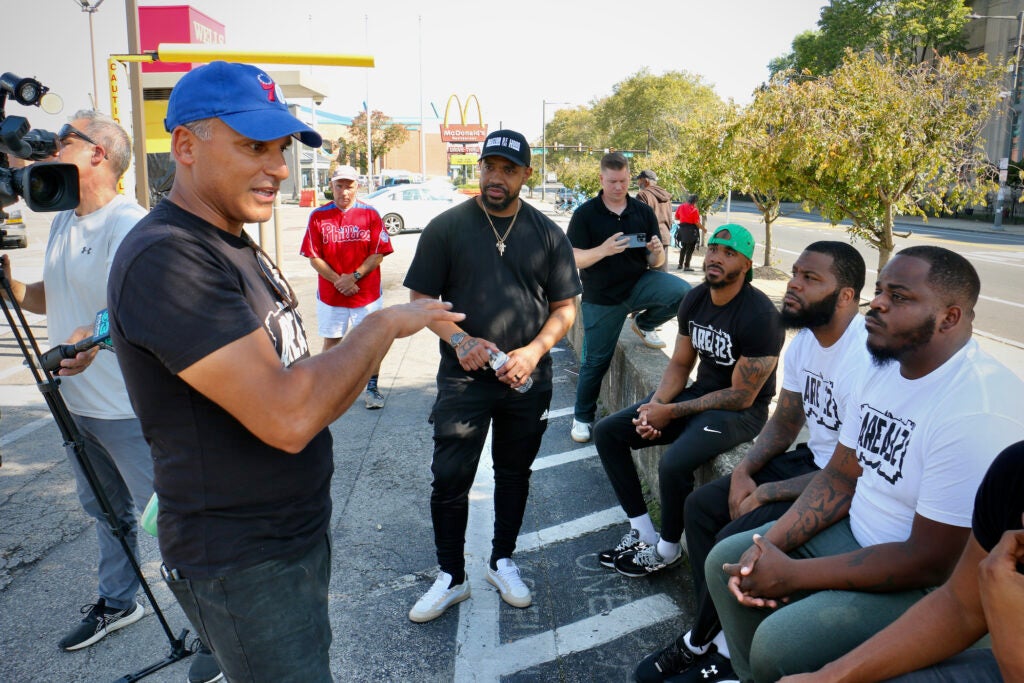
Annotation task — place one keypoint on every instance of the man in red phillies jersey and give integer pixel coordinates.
(345, 243)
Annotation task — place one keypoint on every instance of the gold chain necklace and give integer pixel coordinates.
(501, 238)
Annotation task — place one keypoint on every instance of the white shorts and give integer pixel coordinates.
(335, 321)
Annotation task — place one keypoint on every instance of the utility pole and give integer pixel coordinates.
(1014, 115)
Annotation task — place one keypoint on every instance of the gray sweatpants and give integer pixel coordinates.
(810, 631)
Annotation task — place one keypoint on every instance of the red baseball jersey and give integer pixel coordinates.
(344, 239)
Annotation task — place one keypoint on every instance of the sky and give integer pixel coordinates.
(512, 56)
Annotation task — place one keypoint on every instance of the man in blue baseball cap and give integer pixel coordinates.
(204, 322)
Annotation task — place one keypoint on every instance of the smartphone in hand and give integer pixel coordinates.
(636, 240)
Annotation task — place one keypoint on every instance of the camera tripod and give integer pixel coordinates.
(49, 387)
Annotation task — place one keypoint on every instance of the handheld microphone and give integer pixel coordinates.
(100, 337)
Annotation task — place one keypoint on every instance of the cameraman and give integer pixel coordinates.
(78, 256)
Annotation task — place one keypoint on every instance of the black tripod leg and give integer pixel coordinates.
(49, 387)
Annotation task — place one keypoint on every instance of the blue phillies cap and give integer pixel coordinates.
(242, 96)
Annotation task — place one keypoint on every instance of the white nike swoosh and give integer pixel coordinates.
(713, 431)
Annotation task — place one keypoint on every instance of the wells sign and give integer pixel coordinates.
(462, 131)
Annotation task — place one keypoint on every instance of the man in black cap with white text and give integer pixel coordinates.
(510, 269)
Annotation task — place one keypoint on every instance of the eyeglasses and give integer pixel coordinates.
(273, 276)
(67, 130)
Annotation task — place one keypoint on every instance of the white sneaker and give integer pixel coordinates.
(580, 431)
(650, 337)
(439, 598)
(374, 399)
(509, 585)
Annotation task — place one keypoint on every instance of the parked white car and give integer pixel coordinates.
(411, 207)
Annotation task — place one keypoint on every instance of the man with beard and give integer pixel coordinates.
(736, 332)
(619, 277)
(889, 515)
(821, 364)
(934, 641)
(510, 270)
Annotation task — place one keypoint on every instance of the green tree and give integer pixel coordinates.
(908, 30)
(762, 155)
(703, 158)
(387, 135)
(573, 130)
(647, 112)
(878, 138)
(580, 172)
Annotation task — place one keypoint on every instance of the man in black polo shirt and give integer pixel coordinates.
(616, 243)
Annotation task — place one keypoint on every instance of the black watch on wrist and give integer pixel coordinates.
(356, 274)
(457, 339)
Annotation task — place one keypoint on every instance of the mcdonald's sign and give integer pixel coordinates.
(462, 131)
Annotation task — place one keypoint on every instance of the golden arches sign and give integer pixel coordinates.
(462, 131)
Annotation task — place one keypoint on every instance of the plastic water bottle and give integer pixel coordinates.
(498, 361)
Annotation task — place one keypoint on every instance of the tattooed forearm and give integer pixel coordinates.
(724, 399)
(747, 379)
(780, 431)
(825, 501)
(787, 489)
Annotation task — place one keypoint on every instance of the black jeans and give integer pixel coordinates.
(268, 622)
(464, 410)
(686, 253)
(708, 522)
(694, 441)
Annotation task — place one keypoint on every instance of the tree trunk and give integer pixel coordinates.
(767, 239)
(886, 244)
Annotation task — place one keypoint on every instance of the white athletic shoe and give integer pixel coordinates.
(580, 431)
(439, 598)
(509, 584)
(650, 337)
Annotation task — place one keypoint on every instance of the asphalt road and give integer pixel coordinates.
(999, 259)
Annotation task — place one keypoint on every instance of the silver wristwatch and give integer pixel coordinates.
(456, 339)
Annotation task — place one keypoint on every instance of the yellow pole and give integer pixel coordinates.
(185, 52)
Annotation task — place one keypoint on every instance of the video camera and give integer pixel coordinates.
(46, 186)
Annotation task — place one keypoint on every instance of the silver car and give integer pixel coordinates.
(411, 207)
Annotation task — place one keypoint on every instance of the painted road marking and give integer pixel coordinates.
(480, 654)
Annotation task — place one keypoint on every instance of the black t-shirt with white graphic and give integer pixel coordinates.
(1000, 501)
(180, 289)
(749, 325)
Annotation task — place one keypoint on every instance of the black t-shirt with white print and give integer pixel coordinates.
(749, 325)
(180, 289)
(1000, 501)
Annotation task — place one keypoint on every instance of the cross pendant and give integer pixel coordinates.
(501, 247)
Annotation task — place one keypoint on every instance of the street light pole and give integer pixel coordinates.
(997, 223)
(543, 150)
(92, 9)
(544, 146)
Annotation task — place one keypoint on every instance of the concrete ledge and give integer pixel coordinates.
(636, 371)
